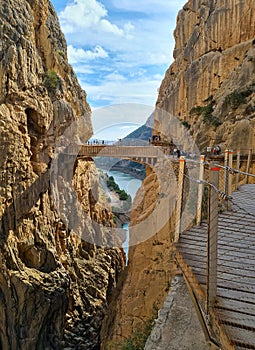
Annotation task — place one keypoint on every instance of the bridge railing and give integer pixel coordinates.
(121, 151)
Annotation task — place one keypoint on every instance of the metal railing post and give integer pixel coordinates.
(212, 238)
(230, 175)
(237, 168)
(179, 199)
(248, 165)
(200, 189)
(225, 187)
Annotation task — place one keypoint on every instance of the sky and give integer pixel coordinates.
(119, 49)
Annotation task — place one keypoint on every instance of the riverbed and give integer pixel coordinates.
(131, 186)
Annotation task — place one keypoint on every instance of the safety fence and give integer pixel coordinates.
(216, 250)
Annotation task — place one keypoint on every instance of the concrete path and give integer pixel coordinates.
(177, 327)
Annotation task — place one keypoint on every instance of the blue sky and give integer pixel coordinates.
(119, 49)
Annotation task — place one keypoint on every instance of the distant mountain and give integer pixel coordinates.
(138, 136)
(144, 132)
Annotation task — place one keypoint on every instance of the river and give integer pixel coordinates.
(130, 185)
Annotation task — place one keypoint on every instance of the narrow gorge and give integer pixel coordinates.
(210, 89)
(60, 288)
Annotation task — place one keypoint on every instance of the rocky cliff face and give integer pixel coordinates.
(209, 90)
(51, 279)
(210, 87)
(146, 281)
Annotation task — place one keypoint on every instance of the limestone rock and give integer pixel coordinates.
(145, 283)
(210, 90)
(52, 281)
(213, 67)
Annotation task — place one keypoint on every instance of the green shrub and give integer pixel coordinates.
(111, 184)
(138, 338)
(236, 98)
(207, 112)
(61, 53)
(123, 195)
(51, 80)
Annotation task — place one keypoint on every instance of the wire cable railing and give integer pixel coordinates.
(217, 254)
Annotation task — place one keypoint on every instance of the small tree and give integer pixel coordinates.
(51, 80)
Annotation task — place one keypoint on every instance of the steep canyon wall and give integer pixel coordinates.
(53, 284)
(210, 85)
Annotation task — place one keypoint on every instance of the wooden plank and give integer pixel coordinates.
(227, 242)
(240, 284)
(196, 239)
(234, 214)
(235, 264)
(243, 230)
(232, 281)
(236, 219)
(235, 295)
(226, 224)
(236, 256)
(234, 267)
(230, 304)
(192, 250)
(223, 254)
(224, 230)
(237, 319)
(237, 241)
(249, 281)
(241, 336)
(233, 270)
(228, 284)
(224, 261)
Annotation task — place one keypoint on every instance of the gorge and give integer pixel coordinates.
(59, 288)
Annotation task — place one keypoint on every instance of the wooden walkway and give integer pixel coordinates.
(232, 320)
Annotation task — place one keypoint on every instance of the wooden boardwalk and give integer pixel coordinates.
(232, 319)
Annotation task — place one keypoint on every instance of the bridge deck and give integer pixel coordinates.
(234, 312)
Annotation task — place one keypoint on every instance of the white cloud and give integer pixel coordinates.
(120, 49)
(119, 91)
(115, 76)
(108, 27)
(77, 55)
(89, 14)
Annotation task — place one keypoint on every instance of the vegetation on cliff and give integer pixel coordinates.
(119, 199)
(138, 338)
